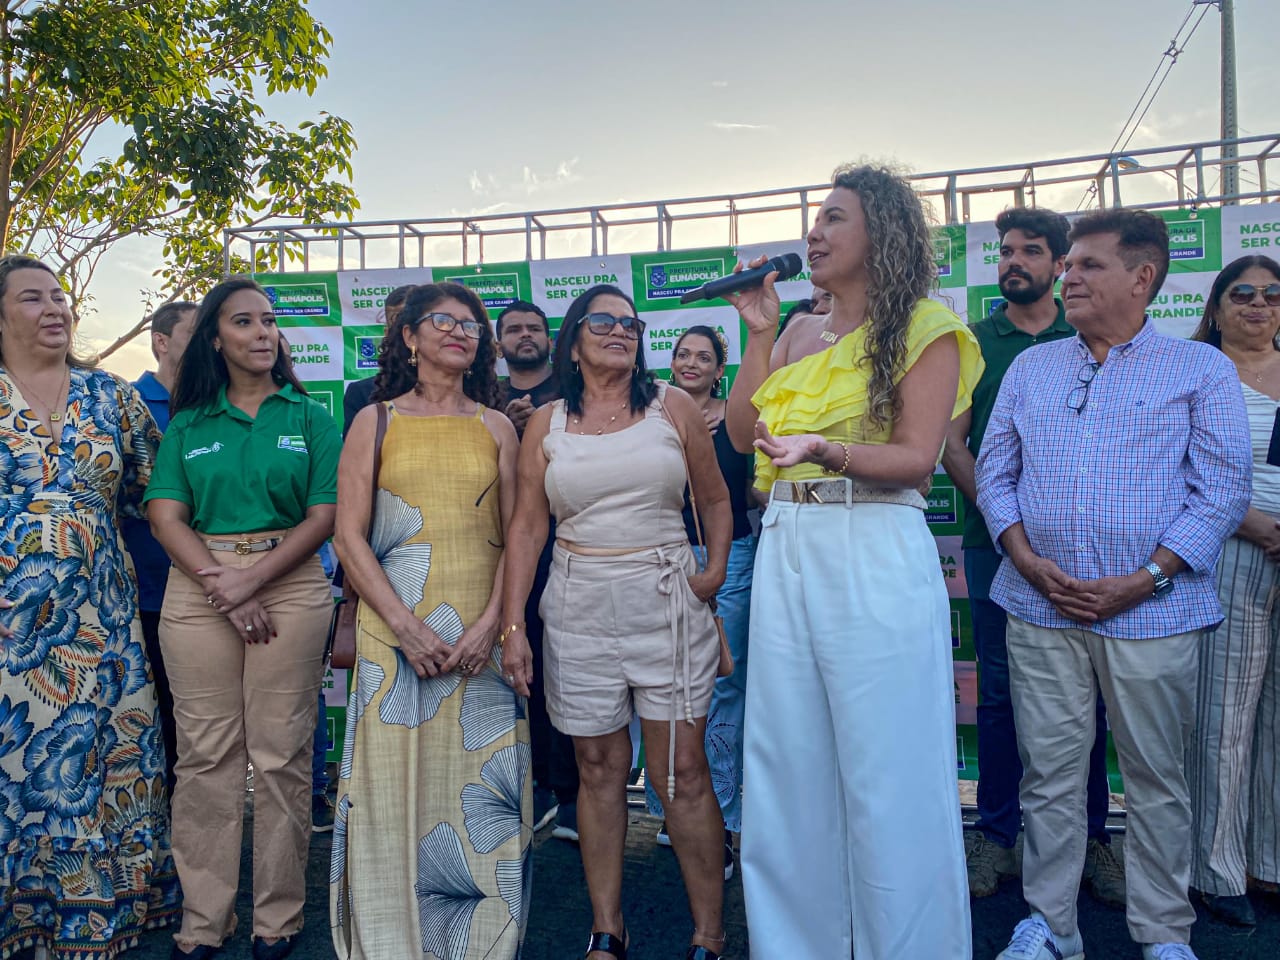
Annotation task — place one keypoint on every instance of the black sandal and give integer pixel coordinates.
(609, 943)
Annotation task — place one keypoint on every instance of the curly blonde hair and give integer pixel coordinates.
(901, 270)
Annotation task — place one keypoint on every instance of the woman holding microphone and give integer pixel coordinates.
(850, 624)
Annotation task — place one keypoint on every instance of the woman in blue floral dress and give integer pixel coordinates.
(84, 821)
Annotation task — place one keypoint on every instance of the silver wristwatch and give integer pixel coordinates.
(1163, 583)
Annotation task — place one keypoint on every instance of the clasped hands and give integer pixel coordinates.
(1085, 601)
(430, 656)
(231, 591)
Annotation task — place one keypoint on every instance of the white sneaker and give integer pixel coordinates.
(1033, 940)
(1167, 951)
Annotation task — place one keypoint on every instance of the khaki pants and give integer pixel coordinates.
(1149, 687)
(236, 702)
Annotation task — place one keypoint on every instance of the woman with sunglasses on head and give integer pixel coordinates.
(431, 840)
(697, 368)
(1233, 769)
(628, 628)
(850, 689)
(241, 498)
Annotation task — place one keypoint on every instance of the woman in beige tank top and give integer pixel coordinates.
(627, 623)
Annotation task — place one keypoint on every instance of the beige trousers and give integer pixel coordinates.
(1149, 687)
(236, 702)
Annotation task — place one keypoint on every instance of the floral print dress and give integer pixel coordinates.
(431, 841)
(84, 819)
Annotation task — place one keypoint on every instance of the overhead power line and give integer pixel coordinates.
(1164, 66)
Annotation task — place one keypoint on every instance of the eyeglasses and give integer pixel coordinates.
(602, 324)
(1243, 293)
(444, 322)
(1079, 394)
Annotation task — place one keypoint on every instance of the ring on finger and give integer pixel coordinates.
(248, 627)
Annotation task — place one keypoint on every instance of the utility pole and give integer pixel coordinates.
(1230, 173)
(1230, 123)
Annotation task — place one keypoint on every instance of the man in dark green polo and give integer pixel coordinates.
(1033, 245)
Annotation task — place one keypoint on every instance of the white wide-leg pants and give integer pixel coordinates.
(851, 834)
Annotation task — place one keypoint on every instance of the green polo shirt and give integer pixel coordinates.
(242, 474)
(1000, 342)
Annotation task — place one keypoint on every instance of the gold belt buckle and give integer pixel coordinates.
(243, 547)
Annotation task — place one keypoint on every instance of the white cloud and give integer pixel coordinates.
(723, 125)
(720, 84)
(531, 181)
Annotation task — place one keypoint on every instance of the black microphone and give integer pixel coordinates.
(787, 265)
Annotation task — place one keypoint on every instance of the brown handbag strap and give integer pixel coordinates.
(348, 588)
(378, 437)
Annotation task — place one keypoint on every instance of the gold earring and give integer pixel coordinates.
(413, 355)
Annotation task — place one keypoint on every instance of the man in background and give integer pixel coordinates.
(171, 327)
(524, 341)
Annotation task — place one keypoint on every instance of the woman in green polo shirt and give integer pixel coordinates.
(243, 493)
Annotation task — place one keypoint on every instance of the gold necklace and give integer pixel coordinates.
(577, 421)
(828, 335)
(1257, 374)
(55, 409)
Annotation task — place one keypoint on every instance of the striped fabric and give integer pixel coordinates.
(1232, 766)
(1266, 478)
(1157, 454)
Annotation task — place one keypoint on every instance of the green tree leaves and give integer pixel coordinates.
(121, 118)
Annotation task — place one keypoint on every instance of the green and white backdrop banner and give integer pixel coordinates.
(334, 322)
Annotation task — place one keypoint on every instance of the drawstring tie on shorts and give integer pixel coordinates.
(671, 577)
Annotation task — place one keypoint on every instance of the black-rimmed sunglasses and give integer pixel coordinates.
(602, 324)
(445, 323)
(1079, 394)
(1243, 293)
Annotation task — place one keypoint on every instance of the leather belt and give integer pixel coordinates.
(244, 547)
(844, 491)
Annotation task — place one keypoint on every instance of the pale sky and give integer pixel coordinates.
(472, 106)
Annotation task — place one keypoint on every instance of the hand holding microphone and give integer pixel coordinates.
(752, 292)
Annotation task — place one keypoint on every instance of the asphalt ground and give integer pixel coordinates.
(659, 922)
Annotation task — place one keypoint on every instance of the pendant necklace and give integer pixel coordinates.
(828, 335)
(577, 421)
(55, 410)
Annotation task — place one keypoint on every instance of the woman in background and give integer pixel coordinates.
(697, 368)
(1233, 771)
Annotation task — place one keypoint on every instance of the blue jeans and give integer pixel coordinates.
(999, 766)
(729, 699)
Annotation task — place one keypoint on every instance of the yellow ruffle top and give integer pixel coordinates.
(826, 392)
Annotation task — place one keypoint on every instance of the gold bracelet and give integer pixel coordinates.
(844, 467)
(502, 638)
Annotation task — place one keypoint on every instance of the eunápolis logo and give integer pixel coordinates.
(666, 280)
(1186, 239)
(942, 254)
(496, 291)
(299, 299)
(367, 352)
(989, 305)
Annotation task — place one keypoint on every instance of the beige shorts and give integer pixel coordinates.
(617, 631)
